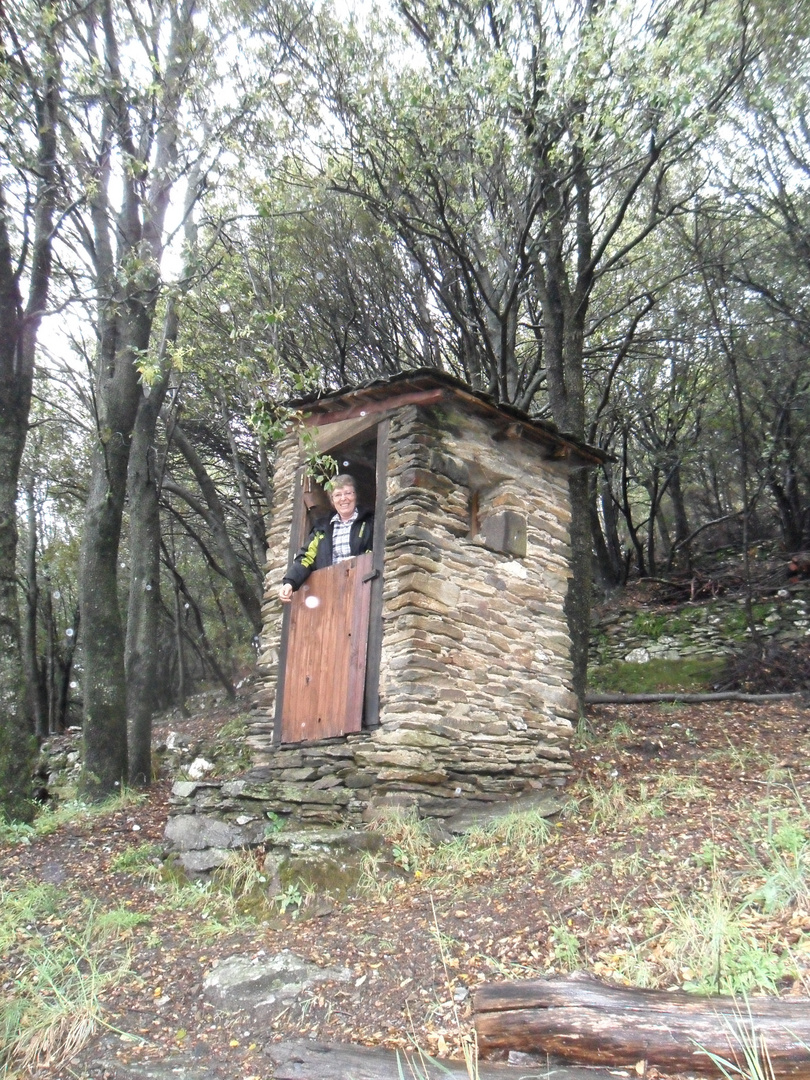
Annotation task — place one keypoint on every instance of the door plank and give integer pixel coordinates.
(326, 653)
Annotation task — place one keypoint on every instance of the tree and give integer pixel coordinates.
(523, 158)
(29, 185)
(124, 133)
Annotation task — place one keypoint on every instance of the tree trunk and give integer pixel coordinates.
(143, 610)
(680, 553)
(16, 375)
(105, 699)
(61, 690)
(16, 727)
(200, 643)
(604, 538)
(719, 695)
(593, 1023)
(578, 597)
(126, 251)
(35, 684)
(181, 659)
(49, 659)
(20, 326)
(254, 522)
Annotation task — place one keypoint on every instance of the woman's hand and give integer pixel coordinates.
(285, 593)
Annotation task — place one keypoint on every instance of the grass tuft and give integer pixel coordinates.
(59, 976)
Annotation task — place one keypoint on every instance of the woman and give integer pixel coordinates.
(347, 532)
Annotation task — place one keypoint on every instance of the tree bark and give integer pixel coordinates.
(128, 285)
(200, 642)
(578, 597)
(725, 695)
(592, 1023)
(17, 353)
(143, 609)
(104, 691)
(36, 685)
(16, 726)
(604, 539)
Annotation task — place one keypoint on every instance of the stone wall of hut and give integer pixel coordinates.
(475, 679)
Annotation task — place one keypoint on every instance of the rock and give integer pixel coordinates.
(305, 1059)
(638, 656)
(173, 1067)
(326, 861)
(175, 741)
(201, 862)
(543, 803)
(199, 768)
(195, 832)
(245, 982)
(185, 789)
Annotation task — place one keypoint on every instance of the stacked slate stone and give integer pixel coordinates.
(475, 674)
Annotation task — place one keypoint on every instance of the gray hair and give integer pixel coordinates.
(341, 481)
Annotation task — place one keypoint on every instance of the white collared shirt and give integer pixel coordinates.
(341, 535)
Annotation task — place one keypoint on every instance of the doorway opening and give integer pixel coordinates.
(331, 637)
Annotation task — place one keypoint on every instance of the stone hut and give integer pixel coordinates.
(445, 681)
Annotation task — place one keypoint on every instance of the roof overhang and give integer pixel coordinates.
(358, 408)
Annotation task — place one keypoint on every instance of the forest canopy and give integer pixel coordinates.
(596, 212)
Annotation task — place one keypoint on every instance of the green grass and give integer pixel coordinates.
(735, 623)
(142, 859)
(655, 625)
(778, 855)
(615, 805)
(714, 950)
(232, 751)
(74, 812)
(565, 947)
(697, 675)
(57, 975)
(454, 863)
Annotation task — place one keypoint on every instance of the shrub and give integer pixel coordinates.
(778, 668)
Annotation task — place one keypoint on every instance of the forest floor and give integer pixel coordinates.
(683, 821)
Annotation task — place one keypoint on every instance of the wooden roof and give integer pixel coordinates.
(369, 402)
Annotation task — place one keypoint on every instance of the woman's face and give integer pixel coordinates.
(344, 500)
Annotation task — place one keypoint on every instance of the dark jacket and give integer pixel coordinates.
(317, 550)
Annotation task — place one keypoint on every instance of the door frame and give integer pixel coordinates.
(371, 701)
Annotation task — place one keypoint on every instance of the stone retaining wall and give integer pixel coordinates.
(711, 628)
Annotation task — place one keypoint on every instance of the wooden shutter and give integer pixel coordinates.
(326, 652)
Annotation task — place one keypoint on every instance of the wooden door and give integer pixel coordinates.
(327, 641)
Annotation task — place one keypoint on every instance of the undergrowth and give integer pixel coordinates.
(609, 903)
(657, 676)
(57, 975)
(48, 820)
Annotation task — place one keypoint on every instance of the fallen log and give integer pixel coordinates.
(718, 695)
(588, 1022)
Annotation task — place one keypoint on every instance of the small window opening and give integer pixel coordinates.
(496, 522)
